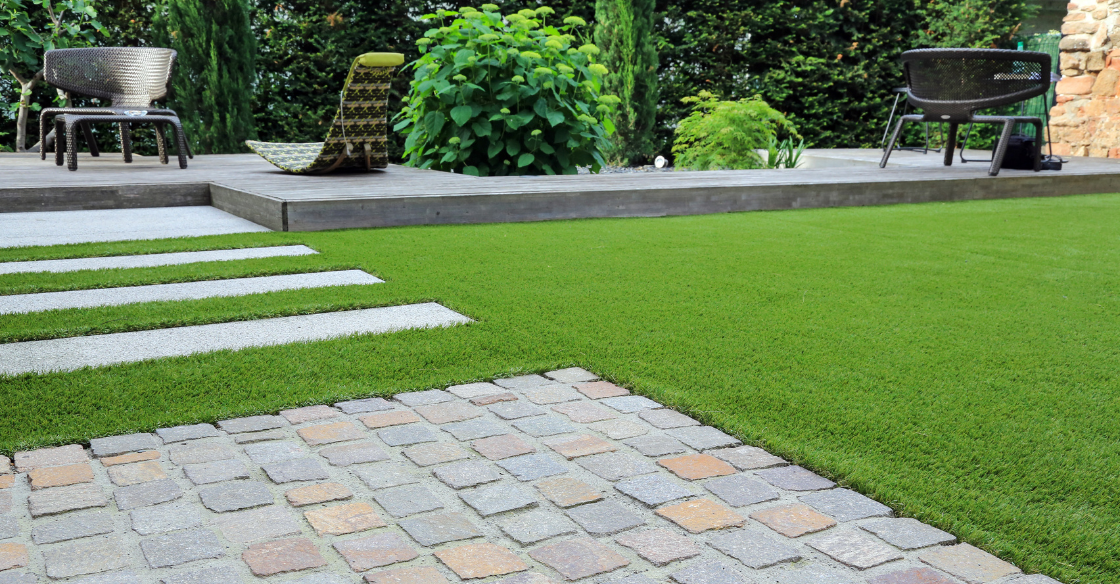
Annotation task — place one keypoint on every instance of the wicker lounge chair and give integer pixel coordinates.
(357, 138)
(130, 77)
(950, 84)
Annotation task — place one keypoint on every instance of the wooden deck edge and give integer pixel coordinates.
(84, 198)
(260, 209)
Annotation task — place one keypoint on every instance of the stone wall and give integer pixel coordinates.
(1086, 119)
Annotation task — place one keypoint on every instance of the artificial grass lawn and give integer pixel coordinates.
(957, 362)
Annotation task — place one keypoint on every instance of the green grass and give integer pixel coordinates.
(957, 362)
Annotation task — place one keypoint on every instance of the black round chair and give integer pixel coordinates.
(950, 84)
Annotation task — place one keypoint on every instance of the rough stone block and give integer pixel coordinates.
(114, 445)
(530, 467)
(466, 474)
(416, 575)
(407, 500)
(613, 466)
(652, 489)
(697, 466)
(136, 473)
(343, 519)
(583, 445)
(568, 492)
(656, 444)
(235, 496)
(348, 454)
(180, 547)
(309, 414)
(273, 452)
(184, 433)
(406, 435)
(475, 429)
(741, 490)
(971, 564)
(5, 465)
(844, 505)
(374, 551)
(198, 453)
(514, 410)
(605, 518)
(43, 457)
(544, 426)
(362, 406)
(855, 549)
(165, 518)
(659, 546)
(388, 419)
(579, 558)
(795, 478)
(793, 520)
(268, 522)
(601, 389)
(709, 573)
(754, 549)
(534, 526)
(63, 499)
(552, 394)
(286, 555)
(383, 476)
(9, 527)
(6, 481)
(472, 390)
(701, 515)
(702, 437)
(330, 433)
(485, 400)
(437, 453)
(916, 576)
(632, 579)
(504, 446)
(130, 458)
(23, 578)
(321, 493)
(215, 575)
(13, 555)
(215, 472)
(481, 560)
(498, 499)
(60, 476)
(666, 418)
(254, 437)
(440, 528)
(572, 375)
(630, 404)
(302, 469)
(423, 398)
(907, 534)
(85, 556)
(748, 457)
(449, 412)
(524, 382)
(619, 429)
(252, 424)
(73, 526)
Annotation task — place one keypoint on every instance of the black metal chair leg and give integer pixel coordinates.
(951, 144)
(1001, 148)
(88, 133)
(890, 145)
(126, 141)
(1038, 146)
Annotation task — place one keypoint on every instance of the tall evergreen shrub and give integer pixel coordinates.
(213, 86)
(624, 32)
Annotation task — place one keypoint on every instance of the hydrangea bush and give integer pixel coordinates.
(497, 95)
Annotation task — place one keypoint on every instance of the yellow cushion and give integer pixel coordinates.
(381, 59)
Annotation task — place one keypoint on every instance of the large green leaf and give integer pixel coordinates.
(555, 118)
(461, 114)
(525, 160)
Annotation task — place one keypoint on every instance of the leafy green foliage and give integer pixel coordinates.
(624, 31)
(726, 135)
(214, 78)
(784, 154)
(973, 23)
(512, 95)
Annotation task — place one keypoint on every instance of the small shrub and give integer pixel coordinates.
(726, 135)
(784, 154)
(512, 95)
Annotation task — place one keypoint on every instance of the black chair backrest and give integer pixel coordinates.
(950, 84)
(128, 76)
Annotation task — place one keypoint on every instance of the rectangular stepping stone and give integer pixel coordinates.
(320, 493)
(252, 437)
(14, 555)
(309, 414)
(619, 429)
(343, 519)
(9, 528)
(700, 515)
(584, 412)
(925, 575)
(349, 454)
(795, 478)
(85, 556)
(630, 404)
(568, 492)
(601, 389)
(702, 437)
(582, 445)
(466, 474)
(748, 457)
(383, 476)
(417, 575)
(544, 426)
(697, 466)
(907, 534)
(605, 518)
(499, 447)
(475, 429)
(539, 525)
(659, 546)
(613, 466)
(472, 390)
(71, 527)
(971, 564)
(71, 498)
(25, 303)
(481, 560)
(114, 445)
(666, 418)
(361, 406)
(164, 518)
(268, 522)
(61, 227)
(72, 353)
(215, 575)
(514, 410)
(199, 453)
(793, 520)
(285, 555)
(60, 476)
(579, 558)
(374, 551)
(552, 394)
(440, 528)
(485, 400)
(252, 424)
(184, 433)
(656, 445)
(530, 467)
(407, 500)
(215, 472)
(274, 452)
(571, 375)
(437, 453)
(29, 460)
(498, 499)
(855, 549)
(754, 549)
(818, 574)
(406, 435)
(741, 490)
(234, 496)
(423, 398)
(153, 259)
(709, 573)
(524, 382)
(652, 489)
(301, 469)
(844, 505)
(330, 433)
(121, 577)
(445, 413)
(386, 419)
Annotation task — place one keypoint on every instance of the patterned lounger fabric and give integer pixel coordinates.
(360, 123)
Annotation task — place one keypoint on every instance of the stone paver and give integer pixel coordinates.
(576, 446)
(466, 474)
(748, 457)
(313, 494)
(793, 520)
(907, 534)
(43, 457)
(374, 551)
(114, 445)
(72, 527)
(235, 495)
(579, 558)
(741, 490)
(571, 375)
(498, 499)
(567, 492)
(583, 412)
(605, 518)
(423, 398)
(438, 453)
(665, 418)
(701, 515)
(844, 505)
(515, 410)
(533, 526)
(656, 445)
(361, 406)
(440, 528)
(616, 465)
(630, 404)
(619, 429)
(215, 472)
(481, 560)
(407, 500)
(269, 522)
(755, 549)
(474, 429)
(387, 419)
(601, 389)
(472, 390)
(347, 454)
(300, 469)
(971, 564)
(913, 576)
(653, 489)
(485, 400)
(329, 433)
(709, 573)
(406, 435)
(165, 518)
(85, 556)
(447, 413)
(216, 575)
(286, 555)
(524, 382)
(659, 546)
(60, 476)
(309, 414)
(71, 498)
(253, 437)
(697, 466)
(504, 446)
(385, 475)
(418, 575)
(180, 547)
(197, 453)
(530, 467)
(795, 478)
(252, 424)
(130, 458)
(544, 426)
(702, 437)
(183, 433)
(856, 549)
(343, 519)
(271, 452)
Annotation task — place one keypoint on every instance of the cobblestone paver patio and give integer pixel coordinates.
(528, 480)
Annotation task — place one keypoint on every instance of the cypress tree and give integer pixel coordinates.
(624, 33)
(212, 87)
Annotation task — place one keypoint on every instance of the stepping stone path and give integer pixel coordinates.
(529, 480)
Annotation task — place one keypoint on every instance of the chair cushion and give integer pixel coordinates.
(381, 59)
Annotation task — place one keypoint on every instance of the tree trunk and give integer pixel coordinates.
(21, 120)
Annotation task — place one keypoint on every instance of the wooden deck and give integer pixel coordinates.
(249, 187)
